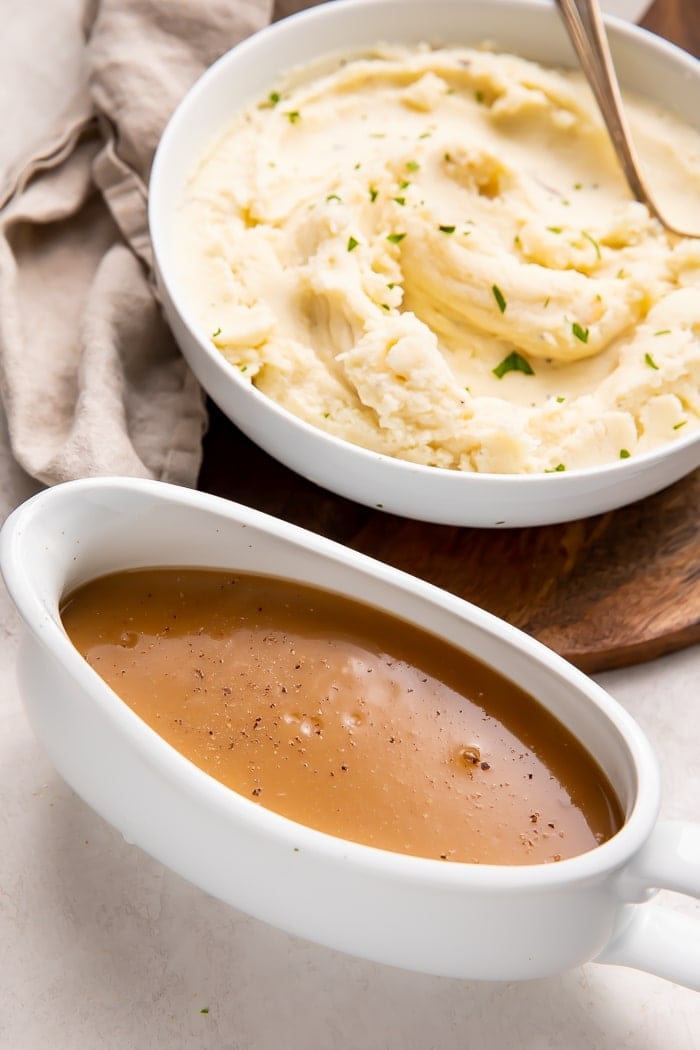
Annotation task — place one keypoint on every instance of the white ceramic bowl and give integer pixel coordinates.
(460, 920)
(529, 28)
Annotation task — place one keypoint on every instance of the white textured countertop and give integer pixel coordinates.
(104, 948)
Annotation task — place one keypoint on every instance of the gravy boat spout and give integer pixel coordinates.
(476, 921)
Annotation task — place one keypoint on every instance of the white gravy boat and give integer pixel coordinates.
(458, 920)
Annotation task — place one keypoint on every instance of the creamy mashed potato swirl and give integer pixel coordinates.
(432, 253)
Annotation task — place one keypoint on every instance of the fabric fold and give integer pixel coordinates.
(91, 379)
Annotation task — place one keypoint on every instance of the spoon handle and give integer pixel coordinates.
(584, 24)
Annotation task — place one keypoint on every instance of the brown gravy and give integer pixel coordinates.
(342, 717)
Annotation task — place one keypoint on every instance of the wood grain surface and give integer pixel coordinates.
(611, 590)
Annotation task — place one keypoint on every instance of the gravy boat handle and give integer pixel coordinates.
(654, 938)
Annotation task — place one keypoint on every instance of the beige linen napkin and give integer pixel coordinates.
(90, 377)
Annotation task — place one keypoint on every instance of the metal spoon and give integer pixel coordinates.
(584, 25)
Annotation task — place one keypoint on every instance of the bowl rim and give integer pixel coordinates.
(605, 473)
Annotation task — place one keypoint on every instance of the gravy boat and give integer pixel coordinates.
(452, 919)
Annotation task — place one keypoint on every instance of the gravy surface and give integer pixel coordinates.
(342, 717)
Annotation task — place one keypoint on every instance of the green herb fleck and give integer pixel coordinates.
(447, 157)
(479, 96)
(514, 362)
(555, 229)
(204, 1010)
(546, 303)
(243, 368)
(620, 274)
(396, 238)
(651, 362)
(556, 470)
(293, 116)
(352, 243)
(624, 453)
(593, 242)
(663, 331)
(404, 185)
(447, 229)
(296, 849)
(580, 332)
(333, 197)
(385, 306)
(326, 415)
(425, 135)
(273, 98)
(217, 332)
(379, 506)
(677, 426)
(578, 185)
(373, 194)
(399, 200)
(391, 285)
(560, 400)
(412, 165)
(498, 296)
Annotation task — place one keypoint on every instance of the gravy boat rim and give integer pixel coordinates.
(43, 621)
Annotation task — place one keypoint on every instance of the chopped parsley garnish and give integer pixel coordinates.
(217, 332)
(580, 332)
(556, 470)
(412, 165)
(404, 185)
(593, 242)
(555, 229)
(204, 1010)
(273, 98)
(399, 200)
(326, 415)
(498, 296)
(333, 197)
(514, 362)
(396, 238)
(243, 368)
(447, 229)
(373, 194)
(649, 360)
(677, 426)
(663, 331)
(293, 116)
(385, 306)
(560, 400)
(578, 185)
(624, 453)
(425, 135)
(352, 243)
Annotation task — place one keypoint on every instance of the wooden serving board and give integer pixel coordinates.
(605, 592)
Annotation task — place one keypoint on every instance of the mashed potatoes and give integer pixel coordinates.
(433, 254)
